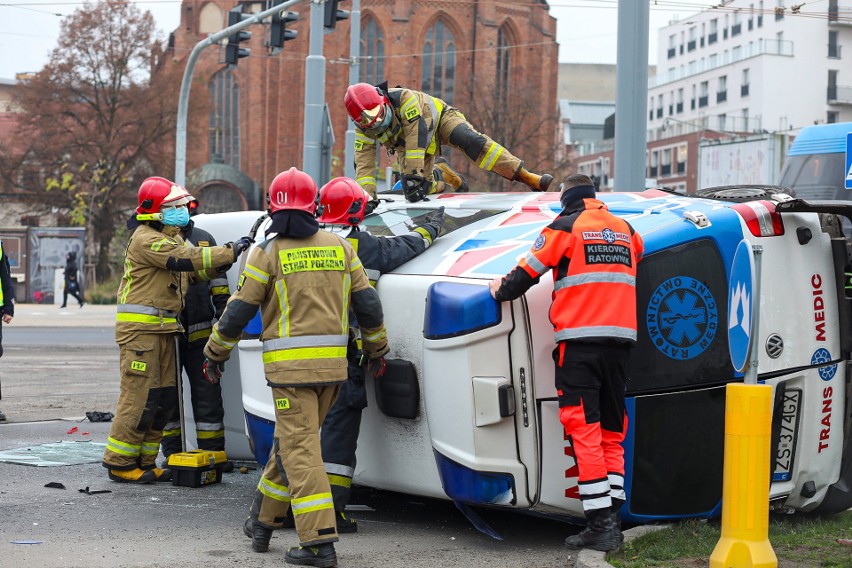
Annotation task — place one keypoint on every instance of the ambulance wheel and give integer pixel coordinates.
(743, 193)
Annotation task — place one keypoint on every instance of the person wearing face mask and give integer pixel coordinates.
(205, 302)
(157, 269)
(413, 126)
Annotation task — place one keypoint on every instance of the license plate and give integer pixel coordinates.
(786, 450)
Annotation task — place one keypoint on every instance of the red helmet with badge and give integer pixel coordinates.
(156, 192)
(293, 190)
(368, 107)
(342, 202)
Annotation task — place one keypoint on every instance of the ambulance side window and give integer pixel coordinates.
(682, 299)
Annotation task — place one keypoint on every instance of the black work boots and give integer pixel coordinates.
(600, 533)
(259, 535)
(322, 555)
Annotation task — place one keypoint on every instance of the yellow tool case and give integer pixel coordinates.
(197, 467)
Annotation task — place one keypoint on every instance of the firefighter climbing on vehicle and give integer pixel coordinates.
(593, 255)
(303, 280)
(157, 265)
(205, 300)
(343, 203)
(413, 126)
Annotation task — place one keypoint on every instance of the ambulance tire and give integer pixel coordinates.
(742, 194)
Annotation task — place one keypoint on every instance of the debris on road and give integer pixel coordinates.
(55, 485)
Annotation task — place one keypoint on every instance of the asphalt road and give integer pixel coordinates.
(53, 374)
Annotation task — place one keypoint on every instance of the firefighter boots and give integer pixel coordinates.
(449, 176)
(345, 524)
(162, 474)
(132, 475)
(600, 534)
(534, 181)
(259, 535)
(322, 555)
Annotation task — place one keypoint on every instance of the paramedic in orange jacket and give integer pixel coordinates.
(593, 255)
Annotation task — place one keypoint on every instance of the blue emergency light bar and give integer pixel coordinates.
(454, 309)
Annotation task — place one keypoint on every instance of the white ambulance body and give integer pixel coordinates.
(468, 411)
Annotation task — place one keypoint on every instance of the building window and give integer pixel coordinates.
(779, 10)
(713, 37)
(832, 85)
(833, 46)
(224, 119)
(704, 96)
(723, 119)
(832, 117)
(504, 63)
(672, 51)
(438, 77)
(659, 106)
(745, 84)
(666, 162)
(737, 28)
(671, 103)
(745, 120)
(682, 154)
(722, 89)
(760, 14)
(833, 11)
(679, 107)
(655, 156)
(372, 52)
(690, 46)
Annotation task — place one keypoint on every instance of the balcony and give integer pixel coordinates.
(721, 96)
(703, 101)
(839, 95)
(836, 17)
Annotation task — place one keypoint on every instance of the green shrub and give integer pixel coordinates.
(103, 292)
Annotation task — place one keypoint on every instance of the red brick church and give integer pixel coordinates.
(494, 60)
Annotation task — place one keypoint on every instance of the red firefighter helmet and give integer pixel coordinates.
(294, 190)
(156, 192)
(342, 202)
(367, 106)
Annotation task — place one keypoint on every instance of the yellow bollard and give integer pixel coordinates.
(745, 484)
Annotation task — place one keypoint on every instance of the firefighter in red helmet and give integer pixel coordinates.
(157, 266)
(304, 281)
(413, 126)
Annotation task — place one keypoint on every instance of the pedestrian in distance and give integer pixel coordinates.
(343, 203)
(304, 281)
(206, 297)
(72, 281)
(593, 255)
(157, 265)
(7, 302)
(413, 126)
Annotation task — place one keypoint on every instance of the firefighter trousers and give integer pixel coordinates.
(339, 435)
(148, 365)
(294, 475)
(207, 407)
(590, 383)
(454, 130)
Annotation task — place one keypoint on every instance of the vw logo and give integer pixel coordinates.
(774, 346)
(682, 317)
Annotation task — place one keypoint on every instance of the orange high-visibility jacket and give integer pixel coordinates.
(594, 256)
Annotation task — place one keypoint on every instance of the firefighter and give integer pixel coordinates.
(150, 297)
(303, 280)
(343, 202)
(205, 300)
(412, 126)
(594, 256)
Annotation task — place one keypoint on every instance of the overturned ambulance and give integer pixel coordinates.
(467, 410)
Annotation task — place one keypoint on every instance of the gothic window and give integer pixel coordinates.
(224, 119)
(372, 52)
(504, 61)
(439, 62)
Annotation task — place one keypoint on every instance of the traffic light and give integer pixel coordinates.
(233, 51)
(333, 15)
(278, 32)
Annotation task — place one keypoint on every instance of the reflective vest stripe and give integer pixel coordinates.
(138, 318)
(219, 281)
(148, 310)
(283, 308)
(596, 331)
(595, 278)
(159, 244)
(171, 432)
(418, 154)
(338, 469)
(216, 338)
(534, 263)
(374, 337)
(310, 503)
(200, 326)
(339, 480)
(122, 448)
(202, 276)
(209, 426)
(363, 138)
(273, 490)
(355, 264)
(373, 275)
(437, 108)
(616, 486)
(304, 353)
(209, 434)
(256, 274)
(200, 334)
(149, 449)
(491, 156)
(305, 341)
(595, 495)
(206, 257)
(366, 180)
(220, 291)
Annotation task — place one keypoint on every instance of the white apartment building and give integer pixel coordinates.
(752, 66)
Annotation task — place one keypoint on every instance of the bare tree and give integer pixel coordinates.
(94, 121)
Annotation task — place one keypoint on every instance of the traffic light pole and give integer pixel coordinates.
(354, 76)
(314, 96)
(186, 83)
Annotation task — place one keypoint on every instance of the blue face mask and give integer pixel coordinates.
(176, 216)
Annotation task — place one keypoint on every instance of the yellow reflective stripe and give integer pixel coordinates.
(355, 264)
(142, 318)
(208, 434)
(200, 334)
(408, 105)
(273, 490)
(424, 233)
(122, 448)
(366, 180)
(283, 309)
(361, 137)
(347, 292)
(316, 502)
(206, 257)
(159, 244)
(149, 449)
(216, 338)
(129, 279)
(202, 275)
(219, 290)
(256, 274)
(373, 337)
(415, 154)
(339, 480)
(171, 433)
(490, 158)
(304, 353)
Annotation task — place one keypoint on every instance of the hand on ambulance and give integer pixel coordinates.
(494, 285)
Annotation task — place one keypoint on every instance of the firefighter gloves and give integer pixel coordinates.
(377, 367)
(241, 244)
(213, 369)
(415, 188)
(435, 222)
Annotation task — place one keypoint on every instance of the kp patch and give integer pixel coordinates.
(282, 403)
(539, 242)
(682, 318)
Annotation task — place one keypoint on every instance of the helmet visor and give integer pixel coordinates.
(177, 196)
(370, 118)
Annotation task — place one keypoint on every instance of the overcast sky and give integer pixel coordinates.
(586, 29)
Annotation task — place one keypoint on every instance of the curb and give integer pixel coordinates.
(595, 559)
